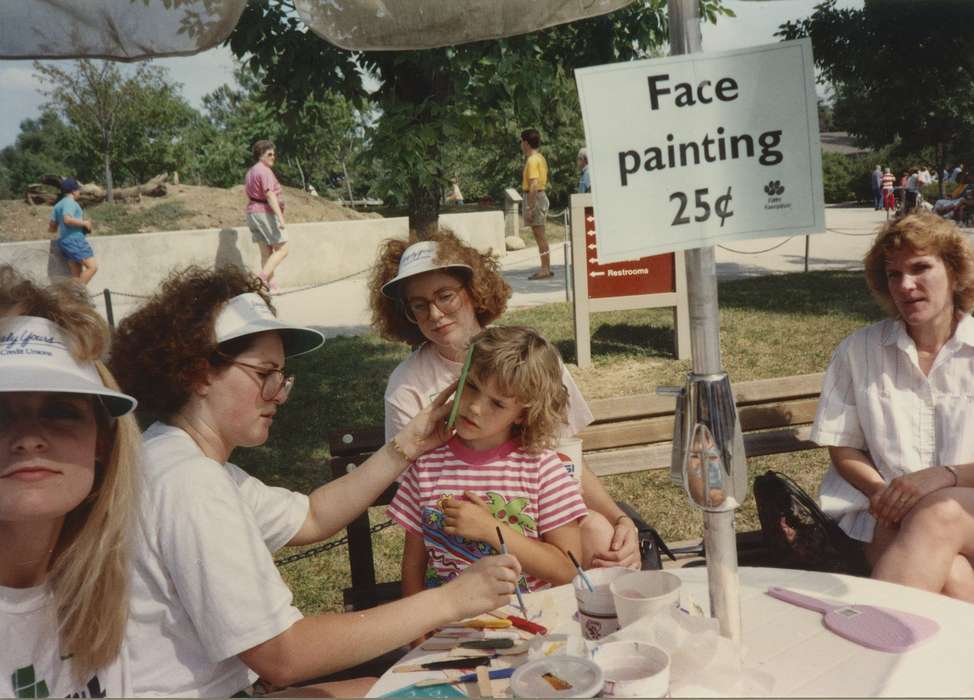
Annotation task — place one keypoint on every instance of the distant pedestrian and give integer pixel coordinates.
(265, 211)
(534, 180)
(889, 201)
(455, 197)
(584, 179)
(67, 220)
(876, 180)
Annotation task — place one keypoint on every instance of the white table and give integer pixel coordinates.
(792, 644)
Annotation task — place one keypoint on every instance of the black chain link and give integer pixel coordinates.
(308, 553)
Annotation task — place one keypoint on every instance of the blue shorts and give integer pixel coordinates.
(75, 248)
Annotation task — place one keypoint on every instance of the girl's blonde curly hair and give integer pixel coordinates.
(527, 367)
(484, 285)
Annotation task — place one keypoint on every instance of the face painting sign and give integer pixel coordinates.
(695, 150)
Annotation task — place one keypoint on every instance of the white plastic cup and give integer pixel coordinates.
(642, 593)
(570, 451)
(596, 608)
(633, 670)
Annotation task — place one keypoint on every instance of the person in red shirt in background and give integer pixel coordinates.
(265, 211)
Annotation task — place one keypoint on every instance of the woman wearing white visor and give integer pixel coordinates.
(210, 611)
(67, 497)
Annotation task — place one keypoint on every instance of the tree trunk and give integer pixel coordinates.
(348, 184)
(109, 188)
(297, 164)
(424, 210)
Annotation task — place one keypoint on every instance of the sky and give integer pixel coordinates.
(21, 99)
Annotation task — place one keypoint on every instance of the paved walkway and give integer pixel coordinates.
(341, 308)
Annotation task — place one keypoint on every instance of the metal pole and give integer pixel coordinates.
(566, 252)
(807, 245)
(719, 537)
(109, 313)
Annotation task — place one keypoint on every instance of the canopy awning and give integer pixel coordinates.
(130, 30)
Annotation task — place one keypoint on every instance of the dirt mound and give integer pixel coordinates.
(183, 207)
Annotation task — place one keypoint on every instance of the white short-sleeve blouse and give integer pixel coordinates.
(876, 399)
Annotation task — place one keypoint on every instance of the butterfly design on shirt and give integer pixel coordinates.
(511, 512)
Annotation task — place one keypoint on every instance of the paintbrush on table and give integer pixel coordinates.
(517, 584)
(578, 568)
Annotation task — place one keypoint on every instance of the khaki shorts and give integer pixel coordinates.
(538, 215)
(264, 229)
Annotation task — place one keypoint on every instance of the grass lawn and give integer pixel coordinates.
(770, 327)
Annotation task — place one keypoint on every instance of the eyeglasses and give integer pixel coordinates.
(447, 300)
(272, 381)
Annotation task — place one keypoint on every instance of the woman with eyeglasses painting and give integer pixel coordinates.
(209, 611)
(438, 294)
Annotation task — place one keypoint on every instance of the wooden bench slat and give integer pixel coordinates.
(754, 391)
(659, 429)
(658, 456)
(356, 441)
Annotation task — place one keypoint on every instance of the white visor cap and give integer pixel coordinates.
(417, 259)
(248, 314)
(35, 357)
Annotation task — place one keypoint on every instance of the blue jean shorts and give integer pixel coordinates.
(75, 248)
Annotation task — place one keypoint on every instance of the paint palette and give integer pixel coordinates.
(430, 691)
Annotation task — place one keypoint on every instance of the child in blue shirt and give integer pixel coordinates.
(67, 219)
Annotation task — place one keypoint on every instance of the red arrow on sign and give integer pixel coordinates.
(593, 260)
(596, 274)
(592, 246)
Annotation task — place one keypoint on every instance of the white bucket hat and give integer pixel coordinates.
(247, 314)
(417, 259)
(35, 357)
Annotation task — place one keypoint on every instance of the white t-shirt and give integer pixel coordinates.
(30, 656)
(876, 399)
(205, 586)
(425, 373)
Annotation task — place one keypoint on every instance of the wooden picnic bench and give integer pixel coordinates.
(629, 433)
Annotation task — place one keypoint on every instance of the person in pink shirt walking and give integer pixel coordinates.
(265, 211)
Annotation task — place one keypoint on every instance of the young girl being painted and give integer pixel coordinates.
(498, 470)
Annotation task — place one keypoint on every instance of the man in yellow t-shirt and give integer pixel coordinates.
(533, 183)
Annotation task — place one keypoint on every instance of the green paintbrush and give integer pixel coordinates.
(459, 392)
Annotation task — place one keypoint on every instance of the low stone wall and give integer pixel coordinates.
(319, 252)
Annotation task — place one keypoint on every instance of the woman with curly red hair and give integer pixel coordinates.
(437, 295)
(210, 612)
(896, 412)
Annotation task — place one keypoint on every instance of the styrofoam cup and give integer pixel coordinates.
(596, 608)
(570, 452)
(641, 593)
(633, 669)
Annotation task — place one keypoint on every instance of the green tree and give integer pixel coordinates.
(44, 146)
(318, 142)
(902, 70)
(430, 99)
(134, 120)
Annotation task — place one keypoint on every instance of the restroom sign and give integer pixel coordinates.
(693, 150)
(654, 274)
(645, 283)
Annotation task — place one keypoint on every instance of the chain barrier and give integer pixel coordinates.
(845, 233)
(314, 551)
(273, 294)
(755, 252)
